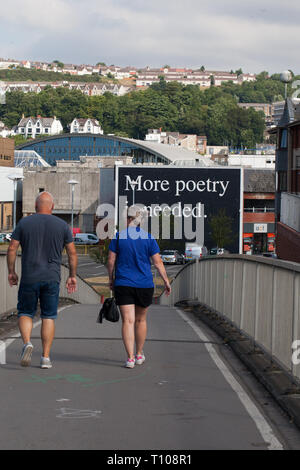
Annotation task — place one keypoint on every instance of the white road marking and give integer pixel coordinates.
(260, 421)
(79, 414)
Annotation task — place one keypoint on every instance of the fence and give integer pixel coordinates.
(260, 296)
(8, 295)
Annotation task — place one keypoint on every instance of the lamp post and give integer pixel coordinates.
(73, 184)
(133, 184)
(15, 178)
(286, 77)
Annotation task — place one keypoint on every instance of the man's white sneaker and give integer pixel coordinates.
(140, 359)
(26, 355)
(130, 363)
(45, 363)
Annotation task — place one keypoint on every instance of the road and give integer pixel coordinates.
(185, 396)
(88, 268)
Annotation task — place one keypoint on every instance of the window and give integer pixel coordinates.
(46, 130)
(41, 190)
(283, 141)
(282, 181)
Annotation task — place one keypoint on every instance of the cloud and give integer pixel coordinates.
(256, 35)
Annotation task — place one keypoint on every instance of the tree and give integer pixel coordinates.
(59, 64)
(239, 72)
(202, 68)
(221, 229)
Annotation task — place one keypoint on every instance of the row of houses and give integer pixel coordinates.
(202, 78)
(141, 77)
(90, 89)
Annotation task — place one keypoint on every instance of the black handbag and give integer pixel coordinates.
(110, 311)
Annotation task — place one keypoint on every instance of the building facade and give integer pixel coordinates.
(288, 185)
(85, 126)
(259, 211)
(7, 197)
(34, 127)
(7, 148)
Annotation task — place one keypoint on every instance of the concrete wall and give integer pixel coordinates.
(8, 295)
(260, 296)
(55, 180)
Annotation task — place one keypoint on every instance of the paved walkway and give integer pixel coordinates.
(179, 399)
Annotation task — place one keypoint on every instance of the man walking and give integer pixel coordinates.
(42, 237)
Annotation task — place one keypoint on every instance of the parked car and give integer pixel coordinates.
(194, 251)
(2, 237)
(8, 237)
(86, 239)
(218, 251)
(269, 254)
(172, 257)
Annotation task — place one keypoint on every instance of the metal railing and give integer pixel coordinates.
(259, 209)
(260, 296)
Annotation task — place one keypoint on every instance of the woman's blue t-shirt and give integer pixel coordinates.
(133, 265)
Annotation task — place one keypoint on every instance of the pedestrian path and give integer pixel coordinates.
(178, 399)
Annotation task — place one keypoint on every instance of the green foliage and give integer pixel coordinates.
(59, 64)
(171, 106)
(221, 229)
(23, 74)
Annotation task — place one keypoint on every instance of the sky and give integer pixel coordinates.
(255, 35)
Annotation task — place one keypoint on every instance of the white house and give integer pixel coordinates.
(85, 126)
(34, 127)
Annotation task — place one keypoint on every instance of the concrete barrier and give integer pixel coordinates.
(260, 296)
(85, 294)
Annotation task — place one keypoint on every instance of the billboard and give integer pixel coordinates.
(198, 199)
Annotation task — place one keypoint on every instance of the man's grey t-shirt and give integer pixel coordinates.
(42, 238)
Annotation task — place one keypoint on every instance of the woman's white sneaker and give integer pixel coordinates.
(130, 363)
(139, 359)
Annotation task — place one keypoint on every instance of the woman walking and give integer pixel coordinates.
(130, 255)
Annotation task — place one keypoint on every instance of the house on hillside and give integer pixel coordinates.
(85, 126)
(34, 127)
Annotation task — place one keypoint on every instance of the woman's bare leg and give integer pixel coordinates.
(128, 318)
(140, 328)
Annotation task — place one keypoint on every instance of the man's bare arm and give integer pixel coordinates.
(72, 260)
(11, 262)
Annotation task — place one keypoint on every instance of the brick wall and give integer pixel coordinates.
(7, 148)
(287, 243)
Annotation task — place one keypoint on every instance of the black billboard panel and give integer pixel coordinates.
(206, 199)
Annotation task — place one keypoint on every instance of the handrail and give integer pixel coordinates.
(259, 295)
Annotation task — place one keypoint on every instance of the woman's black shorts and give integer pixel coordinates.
(126, 295)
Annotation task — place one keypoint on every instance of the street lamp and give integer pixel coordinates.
(286, 77)
(133, 184)
(73, 184)
(15, 178)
